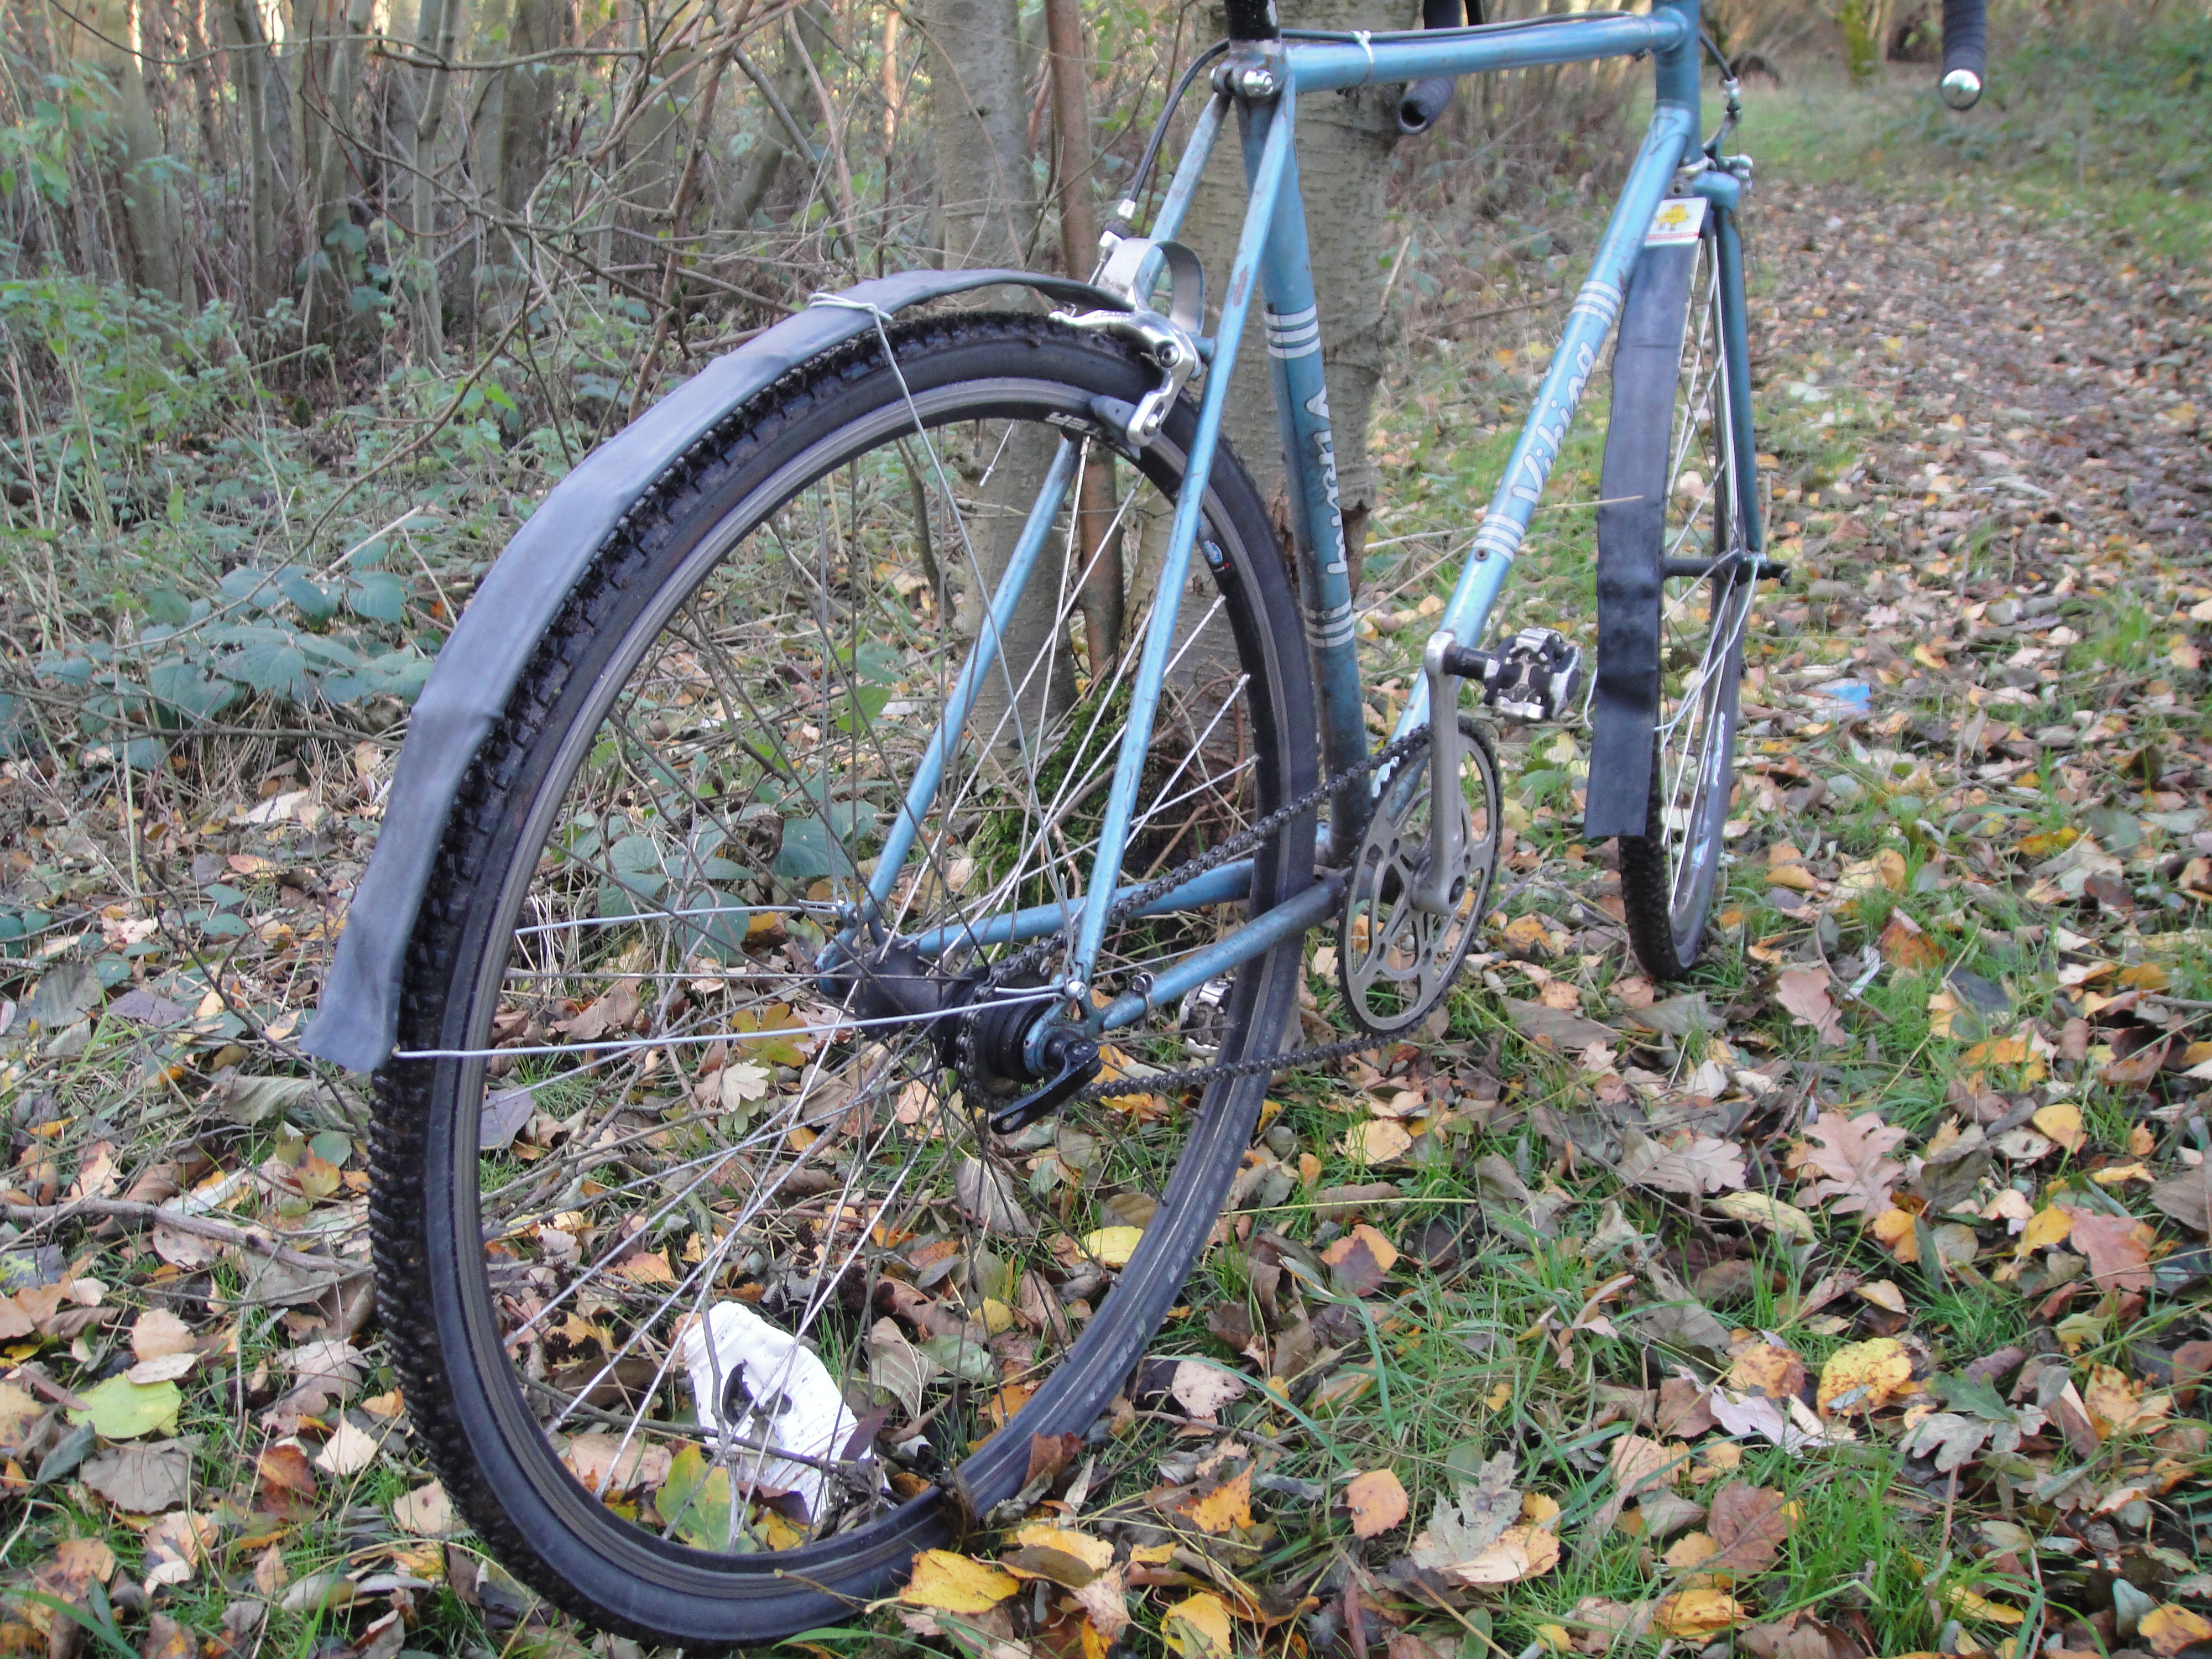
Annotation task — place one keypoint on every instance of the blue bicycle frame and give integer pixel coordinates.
(1260, 80)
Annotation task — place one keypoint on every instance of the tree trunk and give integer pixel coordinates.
(979, 128)
(786, 95)
(154, 215)
(436, 27)
(1102, 618)
(261, 112)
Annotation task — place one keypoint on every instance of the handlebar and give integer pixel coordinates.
(1423, 103)
(1966, 51)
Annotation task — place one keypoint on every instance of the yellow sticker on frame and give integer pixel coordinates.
(1677, 223)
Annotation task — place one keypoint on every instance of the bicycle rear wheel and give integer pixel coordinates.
(702, 1290)
(1710, 581)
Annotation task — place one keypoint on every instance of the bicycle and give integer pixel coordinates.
(801, 893)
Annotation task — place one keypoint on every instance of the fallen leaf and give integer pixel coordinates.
(142, 1480)
(1750, 1524)
(1112, 1247)
(1861, 1376)
(1227, 1507)
(1762, 1211)
(174, 1546)
(349, 1451)
(1198, 1627)
(1520, 1553)
(1378, 1503)
(1770, 1368)
(1639, 1461)
(1698, 1164)
(1908, 948)
(948, 1582)
(1804, 991)
(1378, 1140)
(158, 1334)
(123, 1410)
(1460, 1529)
(426, 1511)
(2062, 1121)
(2048, 1226)
(1202, 1389)
(2187, 1197)
(1358, 1261)
(1849, 1156)
(2118, 1248)
(2170, 1628)
(1971, 1605)
(1692, 1615)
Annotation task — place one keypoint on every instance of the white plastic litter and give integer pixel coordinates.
(783, 1398)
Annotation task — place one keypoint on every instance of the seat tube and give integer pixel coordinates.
(1317, 510)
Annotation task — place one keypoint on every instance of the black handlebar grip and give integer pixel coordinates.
(1966, 51)
(1424, 102)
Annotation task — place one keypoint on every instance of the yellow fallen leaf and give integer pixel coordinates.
(2106, 1178)
(1378, 1140)
(1198, 1627)
(949, 1581)
(2169, 1629)
(1537, 1510)
(1971, 1606)
(1694, 1614)
(1895, 1231)
(1227, 1508)
(1761, 1211)
(1498, 1398)
(1112, 1247)
(1377, 1502)
(1794, 876)
(2062, 1121)
(1861, 1376)
(1884, 1294)
(1691, 1551)
(1094, 1553)
(2047, 1227)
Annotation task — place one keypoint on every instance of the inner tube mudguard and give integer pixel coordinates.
(358, 1013)
(1632, 531)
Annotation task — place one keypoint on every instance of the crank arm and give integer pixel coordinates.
(1075, 1059)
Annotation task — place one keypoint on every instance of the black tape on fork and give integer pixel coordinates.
(1631, 532)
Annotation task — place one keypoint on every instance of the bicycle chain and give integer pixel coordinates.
(1027, 959)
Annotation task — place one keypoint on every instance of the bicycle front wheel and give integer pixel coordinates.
(705, 1277)
(1710, 578)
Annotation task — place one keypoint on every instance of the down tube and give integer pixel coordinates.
(1674, 129)
(1183, 534)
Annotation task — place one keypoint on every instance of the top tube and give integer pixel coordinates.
(1333, 62)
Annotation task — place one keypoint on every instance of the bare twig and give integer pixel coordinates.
(200, 1226)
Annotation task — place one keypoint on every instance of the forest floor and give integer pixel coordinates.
(1850, 1304)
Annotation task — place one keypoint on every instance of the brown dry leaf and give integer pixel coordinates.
(2187, 1197)
(351, 1448)
(2170, 1628)
(174, 1546)
(2118, 1248)
(143, 1479)
(1861, 1376)
(618, 1462)
(1693, 1165)
(1850, 1158)
(1692, 1615)
(1202, 1389)
(947, 1582)
(1884, 1293)
(1690, 1552)
(1907, 948)
(1105, 1602)
(1358, 1262)
(1749, 1524)
(1804, 992)
(288, 1479)
(1638, 1462)
(1378, 1503)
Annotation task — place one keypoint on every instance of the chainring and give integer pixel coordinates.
(1394, 960)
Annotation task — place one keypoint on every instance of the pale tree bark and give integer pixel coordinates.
(1343, 156)
(333, 266)
(437, 26)
(1079, 242)
(265, 119)
(509, 131)
(153, 212)
(987, 216)
(979, 130)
